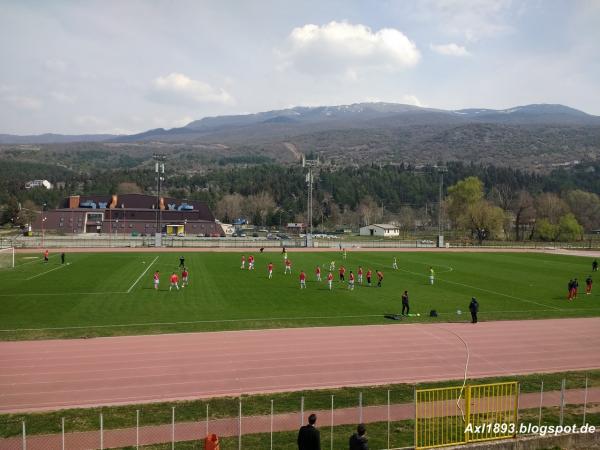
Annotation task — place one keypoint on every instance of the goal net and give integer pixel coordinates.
(7, 258)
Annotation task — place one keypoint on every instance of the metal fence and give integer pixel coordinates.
(126, 241)
(260, 423)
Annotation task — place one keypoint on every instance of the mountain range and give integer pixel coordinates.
(540, 136)
(264, 126)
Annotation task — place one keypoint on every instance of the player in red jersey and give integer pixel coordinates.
(360, 275)
(250, 262)
(174, 281)
(288, 267)
(243, 266)
(302, 280)
(156, 279)
(342, 274)
(351, 281)
(318, 273)
(46, 253)
(270, 268)
(184, 277)
(330, 280)
(369, 275)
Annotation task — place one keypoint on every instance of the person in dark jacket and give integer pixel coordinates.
(358, 441)
(405, 303)
(309, 437)
(473, 307)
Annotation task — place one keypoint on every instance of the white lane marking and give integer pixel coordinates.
(140, 277)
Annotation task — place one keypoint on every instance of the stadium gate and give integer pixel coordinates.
(457, 415)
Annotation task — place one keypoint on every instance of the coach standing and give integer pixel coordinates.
(309, 437)
(473, 307)
(405, 303)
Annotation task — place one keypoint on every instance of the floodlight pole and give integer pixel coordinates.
(310, 164)
(441, 170)
(159, 169)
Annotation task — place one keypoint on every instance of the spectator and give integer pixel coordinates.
(309, 437)
(358, 441)
(474, 308)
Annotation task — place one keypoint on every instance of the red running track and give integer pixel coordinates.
(42, 375)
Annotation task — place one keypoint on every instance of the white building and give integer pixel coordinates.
(38, 183)
(381, 230)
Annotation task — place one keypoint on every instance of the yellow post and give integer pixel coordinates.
(516, 416)
(467, 411)
(416, 395)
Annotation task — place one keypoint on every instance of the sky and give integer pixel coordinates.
(125, 66)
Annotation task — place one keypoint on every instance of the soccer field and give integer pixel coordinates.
(104, 294)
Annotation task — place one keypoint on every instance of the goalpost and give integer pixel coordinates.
(7, 258)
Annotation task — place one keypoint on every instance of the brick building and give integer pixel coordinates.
(129, 213)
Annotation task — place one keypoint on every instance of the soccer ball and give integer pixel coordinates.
(419, 314)
(143, 262)
(458, 311)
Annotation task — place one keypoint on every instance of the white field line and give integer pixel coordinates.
(44, 273)
(259, 319)
(490, 291)
(481, 289)
(140, 277)
(60, 293)
(36, 260)
(194, 322)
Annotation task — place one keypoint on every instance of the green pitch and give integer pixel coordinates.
(107, 294)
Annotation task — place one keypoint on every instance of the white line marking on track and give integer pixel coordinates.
(140, 277)
(44, 273)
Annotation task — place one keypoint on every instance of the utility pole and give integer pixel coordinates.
(440, 241)
(159, 169)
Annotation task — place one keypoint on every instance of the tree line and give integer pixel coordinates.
(503, 203)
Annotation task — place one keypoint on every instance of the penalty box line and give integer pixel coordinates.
(47, 271)
(140, 277)
(480, 289)
(128, 291)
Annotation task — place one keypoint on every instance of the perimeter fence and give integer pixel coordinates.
(264, 423)
(350, 244)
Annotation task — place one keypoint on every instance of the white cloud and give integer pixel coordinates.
(451, 49)
(55, 65)
(62, 97)
(472, 19)
(344, 48)
(177, 88)
(22, 102)
(410, 99)
(90, 121)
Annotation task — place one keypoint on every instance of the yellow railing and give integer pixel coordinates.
(456, 415)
